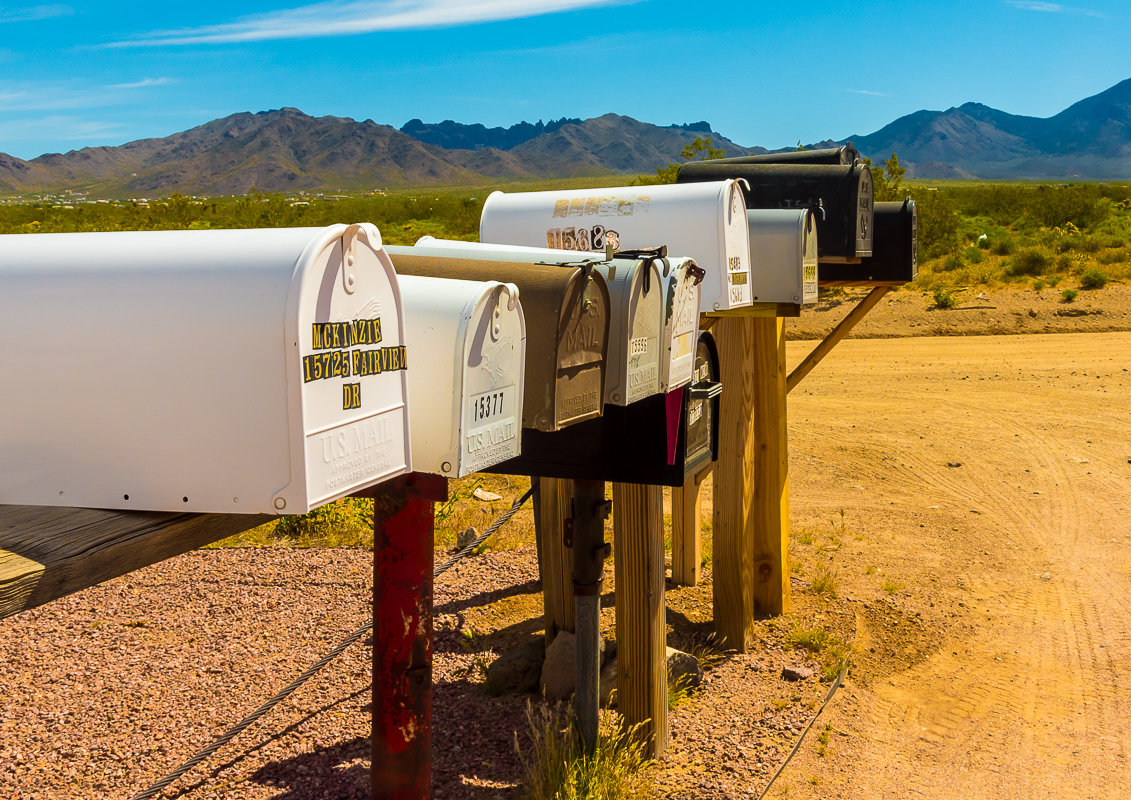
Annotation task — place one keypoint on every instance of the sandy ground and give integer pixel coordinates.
(970, 494)
(991, 478)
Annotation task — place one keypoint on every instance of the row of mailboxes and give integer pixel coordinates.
(659, 440)
(235, 371)
(706, 223)
(842, 196)
(654, 312)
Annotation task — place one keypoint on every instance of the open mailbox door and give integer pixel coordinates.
(564, 380)
(706, 222)
(259, 371)
(468, 340)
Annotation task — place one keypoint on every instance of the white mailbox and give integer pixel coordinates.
(210, 371)
(705, 221)
(468, 345)
(783, 255)
(683, 282)
(636, 310)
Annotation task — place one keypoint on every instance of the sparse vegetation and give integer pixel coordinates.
(823, 581)
(891, 586)
(1093, 279)
(556, 767)
(828, 648)
(944, 298)
(1068, 295)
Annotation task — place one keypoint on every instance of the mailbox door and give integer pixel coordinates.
(347, 368)
(702, 407)
(681, 323)
(469, 343)
(705, 222)
(633, 365)
(565, 351)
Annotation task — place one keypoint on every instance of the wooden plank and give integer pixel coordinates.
(557, 559)
(835, 335)
(768, 526)
(732, 563)
(687, 530)
(641, 617)
(75, 548)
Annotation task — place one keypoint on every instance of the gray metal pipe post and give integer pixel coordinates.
(587, 531)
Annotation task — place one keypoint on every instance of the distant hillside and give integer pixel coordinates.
(286, 150)
(1089, 139)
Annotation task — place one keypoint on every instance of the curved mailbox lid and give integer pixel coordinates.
(183, 356)
(783, 255)
(633, 366)
(844, 231)
(468, 340)
(706, 222)
(845, 154)
(565, 358)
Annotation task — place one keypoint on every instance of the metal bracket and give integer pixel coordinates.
(567, 531)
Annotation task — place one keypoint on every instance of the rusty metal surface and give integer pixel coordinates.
(402, 636)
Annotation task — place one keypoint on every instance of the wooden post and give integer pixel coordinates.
(589, 552)
(642, 675)
(557, 559)
(403, 534)
(687, 530)
(732, 563)
(770, 523)
(47, 552)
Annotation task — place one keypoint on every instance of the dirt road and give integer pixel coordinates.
(987, 485)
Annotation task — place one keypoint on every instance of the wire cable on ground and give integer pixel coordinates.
(282, 695)
(797, 746)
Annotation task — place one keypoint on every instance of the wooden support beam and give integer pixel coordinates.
(837, 333)
(732, 562)
(557, 560)
(768, 528)
(687, 530)
(641, 617)
(48, 552)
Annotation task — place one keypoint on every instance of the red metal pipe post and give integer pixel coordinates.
(403, 535)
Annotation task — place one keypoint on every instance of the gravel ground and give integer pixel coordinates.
(109, 689)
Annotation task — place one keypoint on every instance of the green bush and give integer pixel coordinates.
(944, 298)
(1002, 246)
(1117, 256)
(1093, 279)
(1068, 295)
(1029, 261)
(974, 254)
(952, 262)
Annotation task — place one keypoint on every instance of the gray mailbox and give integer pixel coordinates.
(783, 255)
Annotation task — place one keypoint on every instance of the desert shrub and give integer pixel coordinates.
(973, 254)
(1029, 261)
(952, 262)
(944, 298)
(1002, 246)
(1113, 256)
(1065, 262)
(1093, 279)
(1068, 295)
(1038, 285)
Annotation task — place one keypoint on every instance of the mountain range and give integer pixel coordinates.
(286, 150)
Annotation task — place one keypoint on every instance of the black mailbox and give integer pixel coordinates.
(845, 154)
(895, 251)
(843, 193)
(658, 440)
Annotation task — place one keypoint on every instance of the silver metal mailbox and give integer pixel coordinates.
(208, 371)
(468, 340)
(783, 255)
(636, 311)
(706, 222)
(683, 281)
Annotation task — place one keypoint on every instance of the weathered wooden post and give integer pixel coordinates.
(403, 537)
(586, 537)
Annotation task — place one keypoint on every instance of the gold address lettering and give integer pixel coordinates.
(343, 335)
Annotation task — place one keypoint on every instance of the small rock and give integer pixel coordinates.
(683, 667)
(1032, 312)
(466, 537)
(954, 463)
(559, 669)
(482, 494)
(1044, 576)
(518, 669)
(796, 673)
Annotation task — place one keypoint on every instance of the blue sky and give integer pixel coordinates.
(77, 74)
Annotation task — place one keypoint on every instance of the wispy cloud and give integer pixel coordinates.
(351, 17)
(868, 92)
(59, 128)
(33, 13)
(1054, 8)
(143, 83)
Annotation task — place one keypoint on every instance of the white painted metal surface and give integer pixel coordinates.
(682, 296)
(703, 221)
(636, 322)
(206, 371)
(468, 345)
(783, 255)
